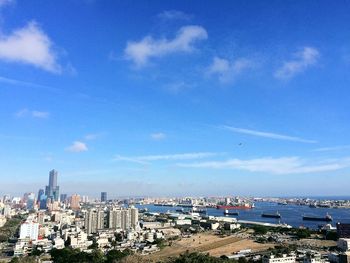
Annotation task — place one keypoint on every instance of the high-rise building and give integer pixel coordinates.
(40, 194)
(85, 199)
(103, 196)
(63, 197)
(75, 202)
(30, 201)
(52, 190)
(123, 218)
(134, 214)
(53, 178)
(43, 202)
(94, 220)
(29, 230)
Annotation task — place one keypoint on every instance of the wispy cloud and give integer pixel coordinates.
(333, 148)
(178, 86)
(77, 146)
(32, 113)
(141, 52)
(174, 15)
(283, 165)
(5, 2)
(129, 159)
(227, 71)
(29, 45)
(93, 136)
(146, 159)
(303, 59)
(158, 136)
(181, 156)
(267, 134)
(40, 114)
(25, 84)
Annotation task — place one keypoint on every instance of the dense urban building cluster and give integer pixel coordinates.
(53, 222)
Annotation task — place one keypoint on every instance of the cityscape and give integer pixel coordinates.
(163, 131)
(147, 227)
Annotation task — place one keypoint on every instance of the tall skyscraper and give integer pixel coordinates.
(40, 194)
(52, 190)
(103, 196)
(53, 178)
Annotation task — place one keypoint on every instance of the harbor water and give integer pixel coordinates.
(290, 214)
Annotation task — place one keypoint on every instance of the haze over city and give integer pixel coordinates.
(175, 98)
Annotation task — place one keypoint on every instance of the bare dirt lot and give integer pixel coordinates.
(209, 243)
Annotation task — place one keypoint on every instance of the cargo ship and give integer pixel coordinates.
(276, 215)
(235, 207)
(231, 213)
(327, 218)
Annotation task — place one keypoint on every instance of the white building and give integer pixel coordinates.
(284, 259)
(29, 230)
(2, 220)
(59, 243)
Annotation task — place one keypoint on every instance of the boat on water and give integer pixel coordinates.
(164, 204)
(326, 218)
(235, 206)
(314, 205)
(199, 210)
(270, 215)
(231, 213)
(282, 203)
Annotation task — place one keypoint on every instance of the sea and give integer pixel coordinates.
(290, 214)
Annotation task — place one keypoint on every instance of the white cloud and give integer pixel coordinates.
(174, 15)
(94, 136)
(167, 157)
(267, 134)
(333, 148)
(158, 136)
(29, 45)
(304, 59)
(40, 114)
(226, 70)
(181, 156)
(32, 113)
(141, 52)
(77, 146)
(283, 165)
(129, 159)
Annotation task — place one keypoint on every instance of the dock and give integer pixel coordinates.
(247, 222)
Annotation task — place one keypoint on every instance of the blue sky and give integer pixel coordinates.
(175, 97)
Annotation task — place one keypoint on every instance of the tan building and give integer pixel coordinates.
(75, 202)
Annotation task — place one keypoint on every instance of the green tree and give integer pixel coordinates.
(116, 255)
(303, 233)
